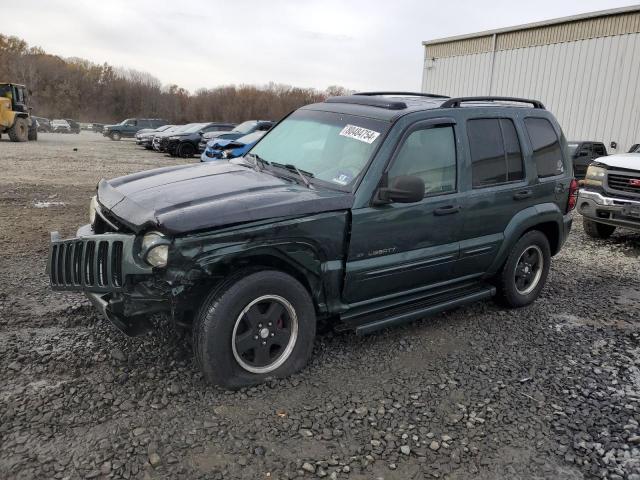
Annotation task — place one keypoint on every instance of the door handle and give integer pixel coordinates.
(521, 195)
(448, 210)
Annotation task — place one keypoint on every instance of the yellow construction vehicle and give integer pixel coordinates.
(15, 118)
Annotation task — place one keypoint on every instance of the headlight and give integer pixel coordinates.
(93, 206)
(174, 137)
(595, 176)
(155, 248)
(225, 153)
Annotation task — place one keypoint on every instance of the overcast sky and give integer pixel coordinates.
(363, 45)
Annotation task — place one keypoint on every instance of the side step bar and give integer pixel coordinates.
(404, 316)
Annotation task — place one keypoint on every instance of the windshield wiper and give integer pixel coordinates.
(302, 173)
(257, 159)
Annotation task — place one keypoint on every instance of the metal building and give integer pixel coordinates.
(584, 68)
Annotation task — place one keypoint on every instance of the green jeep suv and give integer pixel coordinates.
(367, 211)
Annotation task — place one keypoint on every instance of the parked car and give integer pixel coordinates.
(185, 144)
(610, 195)
(161, 140)
(227, 149)
(86, 126)
(60, 126)
(361, 210)
(583, 153)
(238, 131)
(73, 125)
(145, 137)
(97, 127)
(44, 124)
(129, 127)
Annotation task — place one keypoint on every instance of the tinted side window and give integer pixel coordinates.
(599, 150)
(495, 151)
(547, 153)
(585, 151)
(515, 165)
(431, 155)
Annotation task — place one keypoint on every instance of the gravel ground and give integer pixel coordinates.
(548, 391)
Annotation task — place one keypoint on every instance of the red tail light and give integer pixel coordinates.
(573, 195)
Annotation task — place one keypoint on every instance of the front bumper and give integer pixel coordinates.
(101, 266)
(615, 211)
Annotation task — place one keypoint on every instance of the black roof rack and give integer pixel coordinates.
(407, 94)
(456, 101)
(369, 101)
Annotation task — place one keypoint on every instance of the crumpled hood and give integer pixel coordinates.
(208, 195)
(219, 144)
(629, 161)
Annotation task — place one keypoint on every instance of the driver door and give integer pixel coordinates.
(399, 247)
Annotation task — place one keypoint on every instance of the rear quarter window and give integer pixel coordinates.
(547, 152)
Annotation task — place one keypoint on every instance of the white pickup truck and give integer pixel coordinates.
(610, 195)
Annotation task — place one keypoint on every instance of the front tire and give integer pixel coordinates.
(33, 135)
(526, 270)
(19, 132)
(255, 326)
(186, 150)
(597, 230)
(115, 136)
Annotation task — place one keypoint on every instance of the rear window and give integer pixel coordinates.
(547, 152)
(496, 155)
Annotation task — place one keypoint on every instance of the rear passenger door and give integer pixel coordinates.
(496, 189)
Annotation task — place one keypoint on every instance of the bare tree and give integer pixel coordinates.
(77, 88)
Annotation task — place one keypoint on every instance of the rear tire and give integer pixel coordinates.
(19, 132)
(33, 135)
(596, 229)
(525, 271)
(255, 326)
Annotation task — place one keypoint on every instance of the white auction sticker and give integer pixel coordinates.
(359, 133)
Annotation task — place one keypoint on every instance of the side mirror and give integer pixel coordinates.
(402, 189)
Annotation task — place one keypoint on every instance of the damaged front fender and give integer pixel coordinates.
(310, 248)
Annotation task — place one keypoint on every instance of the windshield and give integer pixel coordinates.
(245, 127)
(251, 138)
(572, 148)
(332, 147)
(193, 127)
(128, 120)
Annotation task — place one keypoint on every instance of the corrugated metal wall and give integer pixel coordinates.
(592, 85)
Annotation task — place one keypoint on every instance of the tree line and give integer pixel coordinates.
(88, 92)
